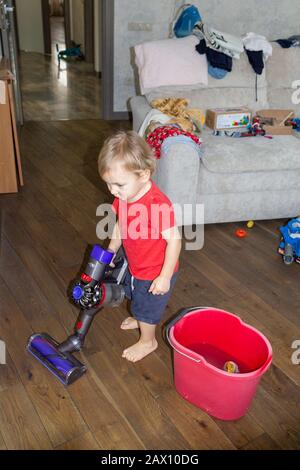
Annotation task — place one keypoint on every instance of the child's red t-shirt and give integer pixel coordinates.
(141, 225)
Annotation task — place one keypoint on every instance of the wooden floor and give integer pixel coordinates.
(50, 93)
(45, 232)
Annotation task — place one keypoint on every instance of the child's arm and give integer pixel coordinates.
(116, 240)
(161, 284)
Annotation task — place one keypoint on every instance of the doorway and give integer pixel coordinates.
(69, 23)
(67, 87)
(57, 24)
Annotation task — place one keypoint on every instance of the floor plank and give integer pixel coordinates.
(71, 92)
(85, 442)
(20, 423)
(61, 419)
(263, 442)
(46, 232)
(2, 443)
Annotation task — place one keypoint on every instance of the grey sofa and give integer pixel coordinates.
(236, 179)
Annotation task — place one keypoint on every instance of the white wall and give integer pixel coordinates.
(272, 18)
(128, 15)
(30, 25)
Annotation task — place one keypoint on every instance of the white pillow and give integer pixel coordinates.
(170, 62)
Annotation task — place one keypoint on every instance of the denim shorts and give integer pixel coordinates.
(145, 306)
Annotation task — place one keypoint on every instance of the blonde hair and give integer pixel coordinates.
(129, 148)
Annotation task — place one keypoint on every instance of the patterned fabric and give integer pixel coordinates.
(218, 41)
(157, 137)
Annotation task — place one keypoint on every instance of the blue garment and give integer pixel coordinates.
(215, 58)
(256, 60)
(292, 41)
(185, 22)
(215, 72)
(285, 43)
(179, 139)
(145, 306)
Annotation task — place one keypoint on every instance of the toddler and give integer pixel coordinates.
(147, 230)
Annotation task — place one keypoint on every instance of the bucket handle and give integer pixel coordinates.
(181, 314)
(266, 365)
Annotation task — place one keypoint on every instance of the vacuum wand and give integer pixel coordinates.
(99, 286)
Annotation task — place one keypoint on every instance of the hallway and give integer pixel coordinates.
(50, 94)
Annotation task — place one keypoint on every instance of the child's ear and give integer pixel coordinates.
(145, 175)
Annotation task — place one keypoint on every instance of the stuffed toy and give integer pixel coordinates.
(189, 119)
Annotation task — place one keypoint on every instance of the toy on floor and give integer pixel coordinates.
(69, 52)
(240, 233)
(250, 224)
(289, 246)
(295, 123)
(99, 286)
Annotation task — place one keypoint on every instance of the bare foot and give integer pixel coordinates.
(129, 323)
(139, 350)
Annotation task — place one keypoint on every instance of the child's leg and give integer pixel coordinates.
(146, 344)
(130, 323)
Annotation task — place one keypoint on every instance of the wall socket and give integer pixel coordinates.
(139, 27)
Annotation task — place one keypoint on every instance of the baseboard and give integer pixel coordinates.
(120, 116)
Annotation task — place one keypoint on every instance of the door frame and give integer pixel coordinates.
(89, 37)
(67, 12)
(108, 22)
(46, 26)
(9, 49)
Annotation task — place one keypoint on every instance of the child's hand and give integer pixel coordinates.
(160, 285)
(112, 264)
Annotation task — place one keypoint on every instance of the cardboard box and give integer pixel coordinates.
(228, 118)
(273, 120)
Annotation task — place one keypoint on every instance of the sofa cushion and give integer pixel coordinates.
(236, 89)
(283, 67)
(170, 62)
(250, 154)
(283, 73)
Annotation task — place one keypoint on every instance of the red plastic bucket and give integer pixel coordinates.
(203, 340)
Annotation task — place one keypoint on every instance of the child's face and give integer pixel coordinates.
(125, 184)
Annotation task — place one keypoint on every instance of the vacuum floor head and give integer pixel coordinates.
(63, 365)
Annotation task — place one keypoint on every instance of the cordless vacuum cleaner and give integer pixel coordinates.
(99, 285)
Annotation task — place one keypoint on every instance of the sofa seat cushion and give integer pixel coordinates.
(238, 165)
(250, 154)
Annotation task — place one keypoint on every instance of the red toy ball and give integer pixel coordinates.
(240, 233)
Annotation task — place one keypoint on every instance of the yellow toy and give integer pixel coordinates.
(231, 367)
(250, 224)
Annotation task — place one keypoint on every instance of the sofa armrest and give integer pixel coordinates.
(177, 175)
(177, 171)
(140, 108)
